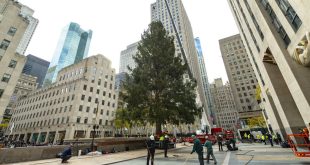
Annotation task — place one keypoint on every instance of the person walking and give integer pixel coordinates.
(220, 142)
(66, 154)
(264, 138)
(166, 143)
(197, 147)
(279, 137)
(208, 144)
(150, 145)
(249, 138)
(270, 139)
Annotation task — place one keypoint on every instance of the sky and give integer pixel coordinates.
(119, 23)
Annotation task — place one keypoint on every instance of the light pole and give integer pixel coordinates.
(94, 132)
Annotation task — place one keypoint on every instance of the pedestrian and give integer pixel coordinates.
(279, 137)
(233, 142)
(249, 138)
(264, 139)
(198, 149)
(66, 154)
(270, 139)
(166, 143)
(275, 139)
(208, 144)
(258, 138)
(245, 135)
(220, 142)
(150, 145)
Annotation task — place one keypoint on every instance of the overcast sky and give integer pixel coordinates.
(118, 23)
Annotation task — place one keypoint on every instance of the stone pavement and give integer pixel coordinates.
(104, 159)
(248, 154)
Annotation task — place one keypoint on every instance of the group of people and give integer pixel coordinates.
(151, 145)
(263, 138)
(221, 141)
(198, 148)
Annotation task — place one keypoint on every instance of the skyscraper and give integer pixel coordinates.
(204, 77)
(276, 37)
(15, 34)
(159, 12)
(126, 58)
(224, 105)
(36, 67)
(241, 77)
(72, 47)
(27, 13)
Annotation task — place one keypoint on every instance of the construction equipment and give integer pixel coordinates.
(299, 144)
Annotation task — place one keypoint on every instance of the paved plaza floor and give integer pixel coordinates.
(248, 154)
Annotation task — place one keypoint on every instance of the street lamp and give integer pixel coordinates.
(92, 142)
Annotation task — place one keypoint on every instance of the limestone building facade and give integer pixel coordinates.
(224, 104)
(82, 96)
(241, 76)
(15, 35)
(276, 37)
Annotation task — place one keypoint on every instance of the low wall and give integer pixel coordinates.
(14, 155)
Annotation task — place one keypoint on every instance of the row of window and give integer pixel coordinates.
(248, 26)
(40, 114)
(78, 120)
(42, 123)
(47, 103)
(275, 21)
(95, 110)
(254, 20)
(47, 95)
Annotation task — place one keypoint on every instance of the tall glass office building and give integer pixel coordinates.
(205, 81)
(72, 47)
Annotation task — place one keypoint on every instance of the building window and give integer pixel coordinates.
(85, 87)
(1, 92)
(78, 119)
(91, 89)
(85, 120)
(290, 14)
(5, 44)
(12, 64)
(12, 31)
(82, 97)
(275, 21)
(6, 77)
(89, 99)
(81, 108)
(87, 109)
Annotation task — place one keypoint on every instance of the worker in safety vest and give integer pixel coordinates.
(258, 137)
(264, 139)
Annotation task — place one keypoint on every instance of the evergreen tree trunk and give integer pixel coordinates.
(158, 128)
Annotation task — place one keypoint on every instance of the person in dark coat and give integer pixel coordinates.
(270, 139)
(166, 143)
(150, 144)
(220, 142)
(66, 154)
(198, 149)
